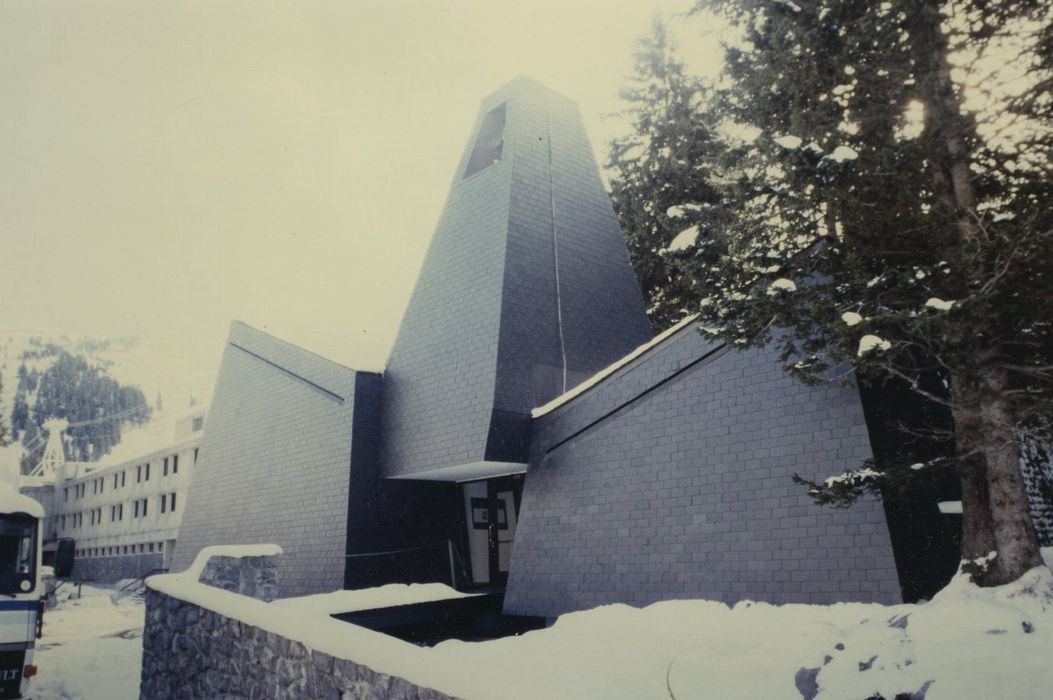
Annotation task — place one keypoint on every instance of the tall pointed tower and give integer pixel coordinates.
(525, 291)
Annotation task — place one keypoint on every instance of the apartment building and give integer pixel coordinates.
(124, 516)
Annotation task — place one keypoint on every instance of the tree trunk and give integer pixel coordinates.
(948, 131)
(996, 516)
(995, 513)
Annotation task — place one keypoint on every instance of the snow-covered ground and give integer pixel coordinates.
(966, 643)
(91, 648)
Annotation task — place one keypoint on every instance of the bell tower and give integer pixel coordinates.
(525, 291)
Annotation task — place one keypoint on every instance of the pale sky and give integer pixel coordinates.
(168, 167)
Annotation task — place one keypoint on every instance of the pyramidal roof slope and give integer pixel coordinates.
(526, 290)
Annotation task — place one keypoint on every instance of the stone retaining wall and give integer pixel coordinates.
(255, 577)
(190, 652)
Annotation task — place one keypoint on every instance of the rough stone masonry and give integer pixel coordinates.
(191, 653)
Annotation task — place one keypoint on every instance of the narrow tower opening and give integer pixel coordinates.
(489, 143)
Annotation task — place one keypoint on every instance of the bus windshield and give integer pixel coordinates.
(18, 550)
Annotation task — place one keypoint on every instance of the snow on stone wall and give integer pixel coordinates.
(211, 631)
(193, 652)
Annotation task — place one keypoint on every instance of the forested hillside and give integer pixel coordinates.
(68, 380)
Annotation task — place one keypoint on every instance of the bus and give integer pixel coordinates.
(21, 592)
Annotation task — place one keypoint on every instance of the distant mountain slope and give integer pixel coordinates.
(59, 377)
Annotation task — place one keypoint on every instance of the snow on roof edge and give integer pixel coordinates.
(11, 501)
(140, 455)
(611, 368)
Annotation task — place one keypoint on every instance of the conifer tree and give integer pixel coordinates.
(72, 388)
(666, 156)
(877, 223)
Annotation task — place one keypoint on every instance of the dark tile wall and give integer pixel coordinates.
(671, 479)
(275, 460)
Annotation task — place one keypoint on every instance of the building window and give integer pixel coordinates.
(122, 479)
(150, 547)
(197, 424)
(138, 473)
(163, 499)
(65, 495)
(147, 477)
(171, 502)
(175, 464)
(195, 454)
(489, 143)
(135, 510)
(164, 468)
(144, 507)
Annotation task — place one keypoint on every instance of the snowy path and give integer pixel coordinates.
(91, 649)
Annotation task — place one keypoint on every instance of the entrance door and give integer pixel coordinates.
(492, 507)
